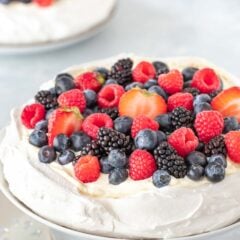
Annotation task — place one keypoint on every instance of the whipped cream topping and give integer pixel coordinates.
(28, 23)
(133, 209)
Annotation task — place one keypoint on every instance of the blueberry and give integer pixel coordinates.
(203, 106)
(160, 67)
(103, 71)
(196, 158)
(38, 138)
(146, 139)
(63, 83)
(117, 158)
(123, 124)
(161, 178)
(215, 172)
(159, 91)
(110, 81)
(188, 73)
(150, 83)
(195, 172)
(230, 124)
(5, 1)
(91, 98)
(218, 159)
(48, 114)
(47, 154)
(133, 85)
(79, 140)
(117, 176)
(53, 91)
(42, 125)
(202, 98)
(105, 166)
(66, 157)
(187, 84)
(161, 136)
(87, 112)
(164, 121)
(61, 142)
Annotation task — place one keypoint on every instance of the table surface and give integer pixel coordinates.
(208, 29)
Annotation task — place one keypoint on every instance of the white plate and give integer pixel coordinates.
(13, 49)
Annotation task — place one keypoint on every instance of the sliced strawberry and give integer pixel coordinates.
(228, 102)
(64, 120)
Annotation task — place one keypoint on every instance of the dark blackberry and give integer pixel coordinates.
(214, 93)
(110, 139)
(46, 98)
(181, 117)
(193, 91)
(121, 71)
(167, 159)
(215, 146)
(112, 112)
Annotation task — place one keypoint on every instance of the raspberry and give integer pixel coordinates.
(206, 80)
(109, 95)
(143, 72)
(95, 121)
(89, 80)
(87, 169)
(73, 98)
(142, 122)
(32, 114)
(44, 3)
(208, 125)
(232, 141)
(180, 100)
(171, 82)
(183, 140)
(141, 165)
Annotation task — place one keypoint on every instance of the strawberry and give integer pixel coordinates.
(232, 141)
(32, 114)
(87, 169)
(141, 165)
(94, 122)
(143, 122)
(89, 80)
(180, 100)
(183, 140)
(73, 98)
(138, 102)
(228, 102)
(64, 120)
(109, 96)
(44, 3)
(208, 125)
(143, 72)
(171, 82)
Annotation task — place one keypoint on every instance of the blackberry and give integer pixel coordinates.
(167, 159)
(181, 117)
(46, 98)
(111, 112)
(110, 139)
(193, 91)
(215, 146)
(121, 71)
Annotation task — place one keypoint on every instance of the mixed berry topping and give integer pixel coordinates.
(138, 121)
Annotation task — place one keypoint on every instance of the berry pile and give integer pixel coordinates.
(41, 3)
(138, 122)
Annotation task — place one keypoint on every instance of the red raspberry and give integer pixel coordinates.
(87, 169)
(109, 95)
(44, 3)
(73, 98)
(95, 121)
(208, 125)
(143, 72)
(206, 80)
(141, 165)
(89, 80)
(142, 122)
(32, 114)
(171, 82)
(183, 140)
(232, 141)
(180, 100)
